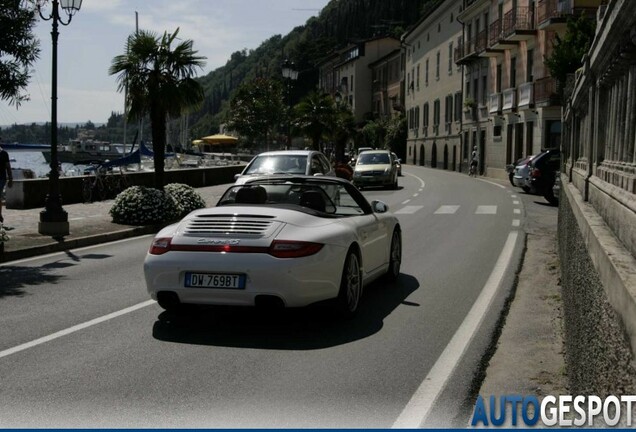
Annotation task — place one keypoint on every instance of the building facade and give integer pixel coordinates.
(433, 88)
(388, 84)
(347, 76)
(597, 210)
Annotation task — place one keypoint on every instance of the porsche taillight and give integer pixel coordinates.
(293, 249)
(160, 245)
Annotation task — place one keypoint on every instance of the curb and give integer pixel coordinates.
(64, 245)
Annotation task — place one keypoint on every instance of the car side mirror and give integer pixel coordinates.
(379, 207)
(236, 176)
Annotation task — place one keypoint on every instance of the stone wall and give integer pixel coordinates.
(31, 193)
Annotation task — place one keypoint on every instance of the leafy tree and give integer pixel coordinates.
(396, 134)
(314, 115)
(568, 51)
(257, 109)
(18, 50)
(373, 133)
(160, 82)
(343, 128)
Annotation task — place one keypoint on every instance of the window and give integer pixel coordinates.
(513, 72)
(436, 112)
(458, 106)
(498, 84)
(417, 118)
(408, 80)
(437, 65)
(425, 115)
(450, 58)
(426, 72)
(351, 83)
(530, 66)
(417, 77)
(484, 89)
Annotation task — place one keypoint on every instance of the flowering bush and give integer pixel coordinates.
(139, 205)
(4, 237)
(187, 198)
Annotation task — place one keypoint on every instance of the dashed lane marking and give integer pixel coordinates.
(486, 209)
(516, 211)
(408, 210)
(406, 201)
(447, 209)
(516, 222)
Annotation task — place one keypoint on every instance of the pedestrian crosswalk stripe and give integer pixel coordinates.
(486, 209)
(447, 209)
(408, 210)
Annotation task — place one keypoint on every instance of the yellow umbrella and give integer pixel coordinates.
(195, 142)
(220, 139)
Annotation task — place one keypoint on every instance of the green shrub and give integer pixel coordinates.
(139, 205)
(187, 198)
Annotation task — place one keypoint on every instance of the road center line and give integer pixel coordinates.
(419, 407)
(421, 181)
(74, 329)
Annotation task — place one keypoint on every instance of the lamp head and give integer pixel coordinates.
(71, 7)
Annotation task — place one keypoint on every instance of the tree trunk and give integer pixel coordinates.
(158, 125)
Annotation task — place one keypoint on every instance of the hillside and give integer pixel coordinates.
(339, 23)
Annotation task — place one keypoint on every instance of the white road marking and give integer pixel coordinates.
(417, 410)
(74, 329)
(421, 189)
(513, 196)
(421, 181)
(408, 210)
(447, 209)
(414, 195)
(516, 202)
(486, 209)
(406, 201)
(516, 222)
(492, 183)
(516, 211)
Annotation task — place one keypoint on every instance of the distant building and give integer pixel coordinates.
(347, 76)
(433, 88)
(387, 75)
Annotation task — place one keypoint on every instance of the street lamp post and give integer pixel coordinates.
(291, 74)
(54, 219)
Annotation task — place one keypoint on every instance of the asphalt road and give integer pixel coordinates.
(82, 346)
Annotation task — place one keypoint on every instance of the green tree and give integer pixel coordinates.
(314, 115)
(373, 134)
(568, 51)
(343, 129)
(159, 79)
(396, 135)
(18, 50)
(257, 109)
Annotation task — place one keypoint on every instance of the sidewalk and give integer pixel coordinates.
(528, 355)
(89, 224)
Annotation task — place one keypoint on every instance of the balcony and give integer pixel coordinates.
(509, 100)
(496, 39)
(494, 102)
(546, 92)
(519, 25)
(526, 95)
(553, 14)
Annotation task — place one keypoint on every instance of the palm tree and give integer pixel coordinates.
(159, 82)
(314, 116)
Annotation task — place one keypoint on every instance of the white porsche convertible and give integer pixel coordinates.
(287, 241)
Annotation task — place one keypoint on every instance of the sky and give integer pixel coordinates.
(98, 32)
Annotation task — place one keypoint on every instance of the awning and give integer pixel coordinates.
(219, 139)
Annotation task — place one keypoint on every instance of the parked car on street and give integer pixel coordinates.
(543, 171)
(276, 241)
(398, 163)
(375, 168)
(521, 175)
(293, 162)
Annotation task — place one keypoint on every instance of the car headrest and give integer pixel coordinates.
(251, 195)
(314, 200)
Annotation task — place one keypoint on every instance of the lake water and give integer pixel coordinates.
(35, 161)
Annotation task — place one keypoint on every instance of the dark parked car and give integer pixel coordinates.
(543, 171)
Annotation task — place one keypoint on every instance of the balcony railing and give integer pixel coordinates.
(545, 92)
(560, 9)
(494, 102)
(509, 99)
(494, 32)
(481, 41)
(526, 95)
(516, 20)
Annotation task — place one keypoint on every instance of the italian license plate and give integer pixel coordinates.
(214, 280)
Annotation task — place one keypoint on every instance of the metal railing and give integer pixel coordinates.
(521, 18)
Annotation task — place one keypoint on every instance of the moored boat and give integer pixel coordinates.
(85, 151)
